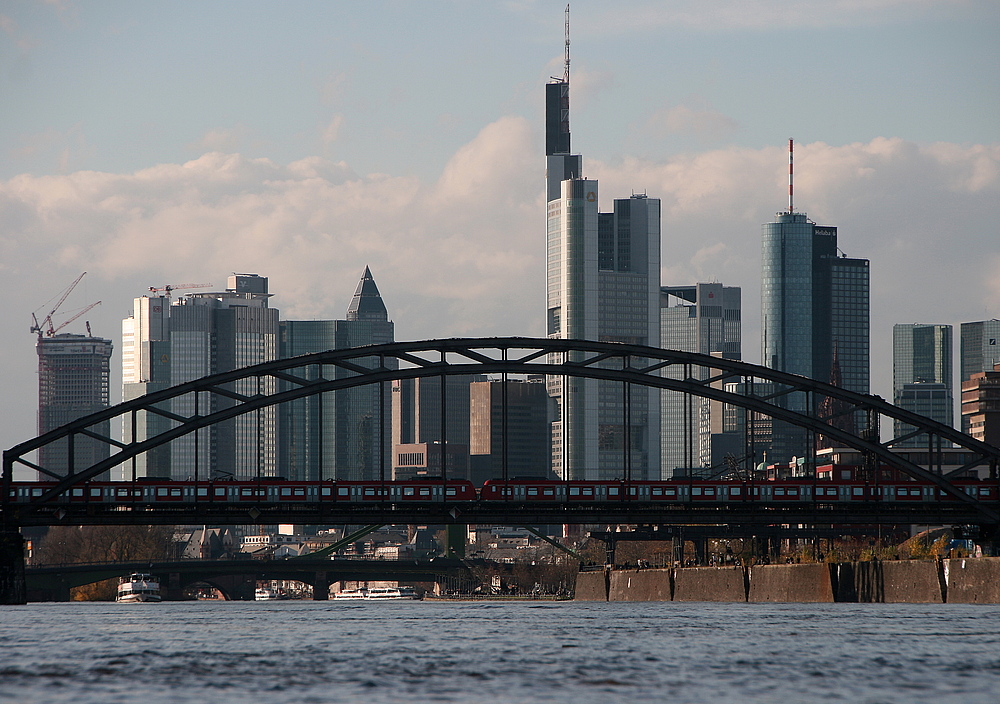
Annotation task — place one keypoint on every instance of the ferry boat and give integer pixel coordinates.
(351, 594)
(266, 594)
(138, 587)
(392, 593)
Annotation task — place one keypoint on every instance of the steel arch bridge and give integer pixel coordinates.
(700, 375)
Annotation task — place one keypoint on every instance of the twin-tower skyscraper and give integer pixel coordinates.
(603, 284)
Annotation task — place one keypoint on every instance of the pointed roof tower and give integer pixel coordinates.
(367, 303)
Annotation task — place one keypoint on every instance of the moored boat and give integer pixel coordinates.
(392, 593)
(138, 587)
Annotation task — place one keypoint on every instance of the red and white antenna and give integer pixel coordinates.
(566, 70)
(791, 149)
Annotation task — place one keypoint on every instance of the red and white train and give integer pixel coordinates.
(165, 491)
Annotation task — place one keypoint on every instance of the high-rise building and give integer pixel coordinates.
(168, 343)
(703, 318)
(343, 434)
(981, 405)
(603, 284)
(922, 376)
(508, 428)
(73, 373)
(814, 300)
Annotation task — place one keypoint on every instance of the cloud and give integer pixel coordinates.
(699, 120)
(332, 130)
(227, 139)
(464, 254)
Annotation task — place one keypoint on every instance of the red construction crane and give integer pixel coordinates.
(170, 287)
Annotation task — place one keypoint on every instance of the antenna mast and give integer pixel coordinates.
(791, 208)
(566, 70)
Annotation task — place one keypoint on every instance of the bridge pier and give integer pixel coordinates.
(12, 586)
(321, 587)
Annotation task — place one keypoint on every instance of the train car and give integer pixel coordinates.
(524, 489)
(406, 490)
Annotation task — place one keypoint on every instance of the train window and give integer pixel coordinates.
(343, 491)
(588, 491)
(94, 491)
(709, 491)
(369, 491)
(984, 491)
(612, 491)
(285, 491)
(696, 491)
(424, 491)
(202, 491)
(779, 491)
(793, 492)
(325, 491)
(450, 491)
(76, 492)
(532, 491)
(574, 491)
(632, 491)
(175, 491)
(670, 492)
(548, 492)
(734, 491)
(408, 491)
(857, 491)
(220, 491)
(657, 491)
(161, 491)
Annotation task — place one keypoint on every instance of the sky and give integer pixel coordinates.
(152, 143)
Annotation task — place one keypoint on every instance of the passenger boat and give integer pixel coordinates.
(392, 593)
(351, 594)
(266, 594)
(138, 587)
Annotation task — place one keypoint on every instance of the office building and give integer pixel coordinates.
(703, 318)
(813, 300)
(343, 434)
(922, 376)
(603, 284)
(979, 352)
(981, 406)
(508, 429)
(73, 372)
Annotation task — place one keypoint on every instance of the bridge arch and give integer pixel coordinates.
(279, 382)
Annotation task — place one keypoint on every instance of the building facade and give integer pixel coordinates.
(981, 406)
(814, 301)
(980, 350)
(508, 429)
(73, 378)
(603, 284)
(703, 318)
(922, 376)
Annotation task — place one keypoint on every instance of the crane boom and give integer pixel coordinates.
(52, 331)
(40, 326)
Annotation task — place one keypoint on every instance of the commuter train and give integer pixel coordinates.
(520, 490)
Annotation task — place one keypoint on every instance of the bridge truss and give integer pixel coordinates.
(285, 380)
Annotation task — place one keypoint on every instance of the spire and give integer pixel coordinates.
(367, 303)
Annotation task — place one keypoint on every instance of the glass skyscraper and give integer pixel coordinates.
(603, 284)
(703, 318)
(813, 301)
(922, 375)
(980, 350)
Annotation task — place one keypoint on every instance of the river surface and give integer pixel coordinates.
(412, 652)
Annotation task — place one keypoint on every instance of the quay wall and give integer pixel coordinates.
(641, 585)
(710, 584)
(956, 581)
(972, 580)
(591, 586)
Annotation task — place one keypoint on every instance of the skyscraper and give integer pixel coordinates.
(922, 375)
(514, 433)
(813, 300)
(703, 318)
(980, 350)
(603, 284)
(166, 344)
(73, 375)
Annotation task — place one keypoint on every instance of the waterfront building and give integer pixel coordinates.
(703, 318)
(73, 378)
(981, 406)
(979, 352)
(603, 284)
(813, 300)
(922, 376)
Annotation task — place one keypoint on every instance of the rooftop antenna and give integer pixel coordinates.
(566, 70)
(791, 149)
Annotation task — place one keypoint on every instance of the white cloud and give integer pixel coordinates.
(332, 130)
(465, 255)
(698, 120)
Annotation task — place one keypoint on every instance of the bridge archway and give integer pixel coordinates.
(286, 380)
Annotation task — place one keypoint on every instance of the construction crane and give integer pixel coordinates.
(46, 326)
(170, 287)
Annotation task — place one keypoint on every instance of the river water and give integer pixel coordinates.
(412, 652)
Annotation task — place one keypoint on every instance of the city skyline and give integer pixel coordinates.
(92, 182)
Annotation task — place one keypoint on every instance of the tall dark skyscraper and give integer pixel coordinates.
(603, 284)
(922, 375)
(813, 300)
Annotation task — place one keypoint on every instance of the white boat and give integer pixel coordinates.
(351, 594)
(138, 587)
(266, 594)
(392, 593)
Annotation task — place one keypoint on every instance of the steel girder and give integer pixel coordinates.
(624, 363)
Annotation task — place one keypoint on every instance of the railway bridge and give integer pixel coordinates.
(627, 365)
